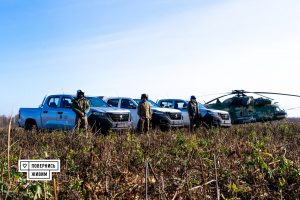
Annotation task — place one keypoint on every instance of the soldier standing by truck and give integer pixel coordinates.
(144, 113)
(193, 113)
(80, 106)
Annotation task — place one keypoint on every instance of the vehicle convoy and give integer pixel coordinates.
(210, 117)
(163, 118)
(243, 108)
(55, 112)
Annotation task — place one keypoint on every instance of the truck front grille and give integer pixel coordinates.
(119, 117)
(175, 116)
(224, 116)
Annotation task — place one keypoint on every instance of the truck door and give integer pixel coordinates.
(182, 106)
(49, 113)
(132, 106)
(66, 116)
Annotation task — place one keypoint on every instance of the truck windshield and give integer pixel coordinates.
(96, 102)
(152, 104)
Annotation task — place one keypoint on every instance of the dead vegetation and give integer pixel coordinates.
(253, 161)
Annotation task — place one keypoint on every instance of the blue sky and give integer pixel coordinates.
(166, 48)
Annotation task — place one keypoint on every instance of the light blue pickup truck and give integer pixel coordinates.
(55, 113)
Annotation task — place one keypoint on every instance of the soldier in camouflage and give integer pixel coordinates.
(81, 106)
(193, 113)
(144, 113)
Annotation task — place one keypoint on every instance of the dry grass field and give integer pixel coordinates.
(252, 161)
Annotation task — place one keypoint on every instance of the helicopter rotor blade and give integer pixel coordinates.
(264, 96)
(212, 94)
(218, 98)
(292, 108)
(292, 95)
(242, 92)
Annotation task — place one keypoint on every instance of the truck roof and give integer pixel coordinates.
(104, 97)
(172, 99)
(72, 95)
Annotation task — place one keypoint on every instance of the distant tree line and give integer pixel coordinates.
(4, 121)
(293, 119)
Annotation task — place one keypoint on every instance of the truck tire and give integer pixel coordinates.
(104, 130)
(30, 125)
(165, 128)
(153, 125)
(94, 124)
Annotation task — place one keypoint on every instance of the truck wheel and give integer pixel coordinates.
(30, 125)
(165, 128)
(218, 125)
(153, 126)
(94, 124)
(104, 130)
(204, 124)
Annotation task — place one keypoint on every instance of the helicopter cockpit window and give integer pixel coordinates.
(227, 101)
(236, 102)
(279, 109)
(240, 101)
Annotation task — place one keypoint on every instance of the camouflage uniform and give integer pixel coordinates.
(144, 113)
(81, 106)
(193, 114)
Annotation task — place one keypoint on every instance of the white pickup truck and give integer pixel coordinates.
(165, 118)
(55, 112)
(211, 117)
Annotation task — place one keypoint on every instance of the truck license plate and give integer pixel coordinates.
(121, 125)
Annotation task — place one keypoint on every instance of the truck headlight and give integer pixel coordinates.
(100, 114)
(158, 112)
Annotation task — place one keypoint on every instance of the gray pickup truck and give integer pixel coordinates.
(55, 112)
(164, 118)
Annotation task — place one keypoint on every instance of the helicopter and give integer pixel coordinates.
(246, 109)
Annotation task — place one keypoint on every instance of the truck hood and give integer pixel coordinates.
(218, 111)
(109, 110)
(170, 110)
